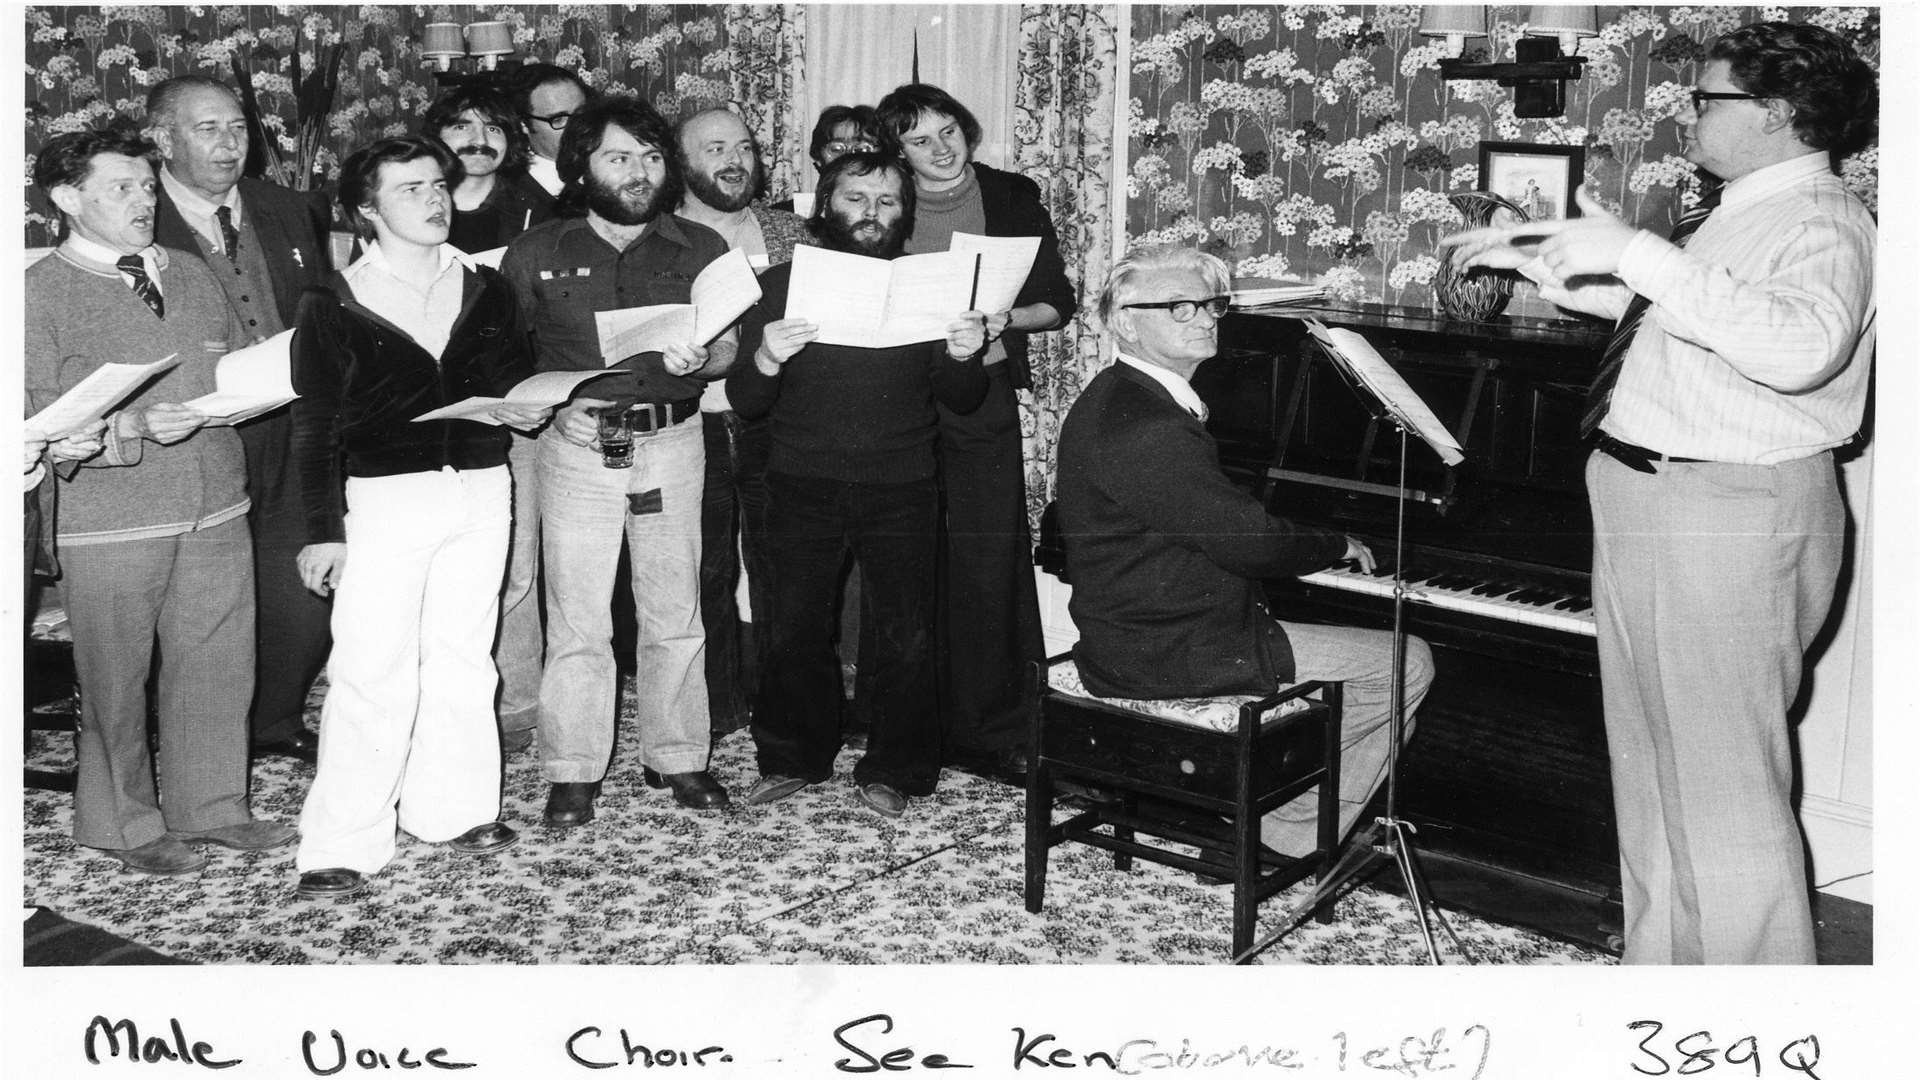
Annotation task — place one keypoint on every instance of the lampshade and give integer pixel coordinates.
(442, 42)
(1568, 22)
(1455, 22)
(490, 41)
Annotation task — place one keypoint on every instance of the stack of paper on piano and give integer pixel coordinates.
(880, 303)
(1260, 292)
(251, 381)
(94, 397)
(542, 391)
(721, 293)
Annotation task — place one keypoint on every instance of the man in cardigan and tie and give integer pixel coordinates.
(1167, 554)
(152, 531)
(1739, 363)
(264, 245)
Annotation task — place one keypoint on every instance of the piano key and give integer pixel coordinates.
(1537, 610)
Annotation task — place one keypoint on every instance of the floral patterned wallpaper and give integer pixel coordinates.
(92, 66)
(1319, 140)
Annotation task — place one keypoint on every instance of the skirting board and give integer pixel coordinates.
(1839, 834)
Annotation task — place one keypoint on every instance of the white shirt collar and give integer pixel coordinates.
(372, 256)
(1761, 183)
(195, 206)
(545, 172)
(1181, 390)
(96, 252)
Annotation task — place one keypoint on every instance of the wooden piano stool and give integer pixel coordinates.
(1232, 758)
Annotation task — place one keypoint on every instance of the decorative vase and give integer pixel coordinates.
(1479, 294)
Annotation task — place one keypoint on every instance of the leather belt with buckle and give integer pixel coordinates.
(1637, 458)
(651, 417)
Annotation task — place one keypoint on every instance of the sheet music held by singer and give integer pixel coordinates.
(94, 397)
(1383, 382)
(721, 293)
(880, 303)
(1005, 262)
(251, 381)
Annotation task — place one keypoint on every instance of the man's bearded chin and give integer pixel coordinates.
(880, 241)
(708, 190)
(612, 204)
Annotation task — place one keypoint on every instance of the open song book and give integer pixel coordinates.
(881, 303)
(1371, 370)
(721, 293)
(251, 381)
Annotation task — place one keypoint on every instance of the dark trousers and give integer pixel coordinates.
(734, 507)
(291, 637)
(989, 621)
(813, 525)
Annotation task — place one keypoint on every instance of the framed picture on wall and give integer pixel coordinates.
(1537, 178)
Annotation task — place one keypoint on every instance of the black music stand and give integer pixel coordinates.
(1390, 400)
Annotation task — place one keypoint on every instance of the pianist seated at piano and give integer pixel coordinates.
(1167, 555)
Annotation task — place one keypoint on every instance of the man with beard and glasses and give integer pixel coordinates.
(850, 473)
(724, 176)
(618, 245)
(494, 202)
(494, 199)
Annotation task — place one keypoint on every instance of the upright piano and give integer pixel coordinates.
(1505, 779)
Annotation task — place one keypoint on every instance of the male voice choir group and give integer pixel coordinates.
(456, 577)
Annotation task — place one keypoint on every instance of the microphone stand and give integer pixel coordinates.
(1389, 837)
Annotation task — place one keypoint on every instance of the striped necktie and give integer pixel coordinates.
(1600, 395)
(143, 287)
(229, 235)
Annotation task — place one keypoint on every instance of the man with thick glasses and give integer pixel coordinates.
(547, 96)
(1167, 555)
(1739, 364)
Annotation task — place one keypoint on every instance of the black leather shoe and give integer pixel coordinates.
(693, 790)
(570, 804)
(333, 883)
(302, 745)
(485, 839)
(1005, 766)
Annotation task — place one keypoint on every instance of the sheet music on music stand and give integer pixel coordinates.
(1367, 368)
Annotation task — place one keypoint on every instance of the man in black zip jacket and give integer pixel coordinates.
(407, 734)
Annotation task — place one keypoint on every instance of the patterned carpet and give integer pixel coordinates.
(814, 879)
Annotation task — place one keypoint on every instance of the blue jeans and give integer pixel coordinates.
(813, 525)
(517, 649)
(585, 509)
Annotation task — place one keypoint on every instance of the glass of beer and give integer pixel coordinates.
(616, 437)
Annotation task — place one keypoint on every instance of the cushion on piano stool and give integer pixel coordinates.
(1220, 713)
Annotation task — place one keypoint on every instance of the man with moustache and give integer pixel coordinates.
(1740, 362)
(152, 531)
(620, 246)
(407, 733)
(851, 473)
(546, 96)
(990, 622)
(724, 176)
(494, 202)
(264, 245)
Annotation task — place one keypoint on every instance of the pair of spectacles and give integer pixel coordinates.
(837, 148)
(1700, 97)
(556, 121)
(1183, 310)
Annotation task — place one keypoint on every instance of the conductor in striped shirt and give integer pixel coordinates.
(1738, 366)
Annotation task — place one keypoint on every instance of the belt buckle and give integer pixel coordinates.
(653, 418)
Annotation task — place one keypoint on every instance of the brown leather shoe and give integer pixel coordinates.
(255, 835)
(693, 790)
(485, 839)
(162, 857)
(332, 883)
(883, 799)
(773, 787)
(570, 804)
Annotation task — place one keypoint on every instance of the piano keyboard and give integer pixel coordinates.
(1505, 602)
